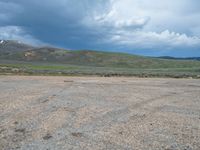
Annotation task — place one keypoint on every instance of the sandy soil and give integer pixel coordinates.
(50, 113)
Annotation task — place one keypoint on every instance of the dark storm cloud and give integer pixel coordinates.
(55, 22)
(135, 26)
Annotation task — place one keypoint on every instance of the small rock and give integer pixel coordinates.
(23, 130)
(47, 136)
(68, 81)
(16, 123)
(77, 134)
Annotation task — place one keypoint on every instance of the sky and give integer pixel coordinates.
(143, 27)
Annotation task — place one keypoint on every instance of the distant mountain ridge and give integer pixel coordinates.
(179, 58)
(17, 51)
(17, 46)
(13, 46)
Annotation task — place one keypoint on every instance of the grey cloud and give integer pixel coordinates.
(56, 22)
(79, 24)
(17, 33)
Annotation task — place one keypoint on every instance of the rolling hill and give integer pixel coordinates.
(54, 60)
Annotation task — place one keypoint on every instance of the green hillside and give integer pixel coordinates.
(96, 59)
(48, 60)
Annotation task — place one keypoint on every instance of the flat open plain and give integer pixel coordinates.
(60, 113)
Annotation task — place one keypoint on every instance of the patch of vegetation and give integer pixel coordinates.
(29, 68)
(52, 61)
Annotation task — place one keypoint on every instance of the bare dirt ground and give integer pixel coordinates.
(60, 113)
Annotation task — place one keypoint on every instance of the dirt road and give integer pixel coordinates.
(60, 113)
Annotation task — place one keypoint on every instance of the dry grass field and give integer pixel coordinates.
(60, 113)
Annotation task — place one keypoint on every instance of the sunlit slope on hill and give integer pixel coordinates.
(48, 59)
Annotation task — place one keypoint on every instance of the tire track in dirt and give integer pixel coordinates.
(114, 117)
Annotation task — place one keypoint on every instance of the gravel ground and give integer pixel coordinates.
(60, 113)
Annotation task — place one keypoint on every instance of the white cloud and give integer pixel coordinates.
(112, 19)
(149, 40)
(151, 24)
(17, 33)
(167, 14)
